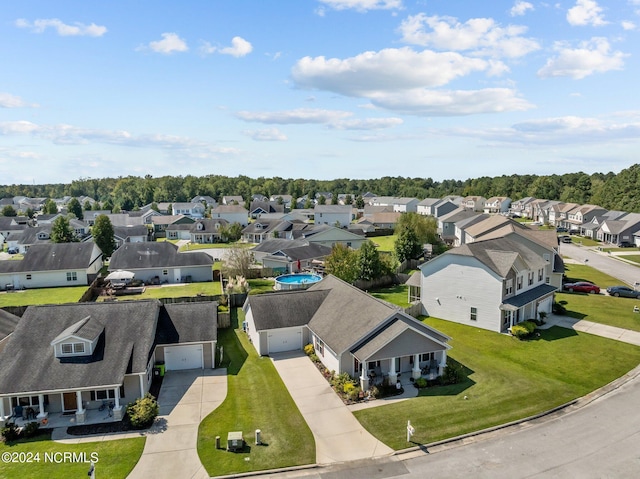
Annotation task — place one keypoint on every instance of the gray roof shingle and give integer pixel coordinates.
(155, 255)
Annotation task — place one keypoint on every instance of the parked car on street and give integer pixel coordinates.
(626, 244)
(13, 250)
(565, 239)
(624, 291)
(581, 287)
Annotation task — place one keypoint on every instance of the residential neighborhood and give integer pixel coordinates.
(492, 267)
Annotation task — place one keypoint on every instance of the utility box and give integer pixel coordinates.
(258, 437)
(235, 442)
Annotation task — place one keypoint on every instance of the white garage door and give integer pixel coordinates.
(545, 305)
(285, 340)
(188, 356)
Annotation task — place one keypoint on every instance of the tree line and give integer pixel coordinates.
(609, 190)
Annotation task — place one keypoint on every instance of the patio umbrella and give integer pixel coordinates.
(119, 275)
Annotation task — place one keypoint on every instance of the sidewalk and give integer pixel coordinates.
(603, 330)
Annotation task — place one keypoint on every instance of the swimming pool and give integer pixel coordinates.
(296, 281)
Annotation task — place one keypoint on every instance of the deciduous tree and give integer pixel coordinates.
(61, 231)
(102, 232)
(342, 263)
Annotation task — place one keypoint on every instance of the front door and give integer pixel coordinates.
(69, 401)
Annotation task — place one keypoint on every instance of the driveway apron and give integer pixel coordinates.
(185, 399)
(338, 434)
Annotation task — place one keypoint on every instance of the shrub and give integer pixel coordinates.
(452, 374)
(143, 411)
(559, 309)
(348, 387)
(309, 349)
(354, 394)
(375, 392)
(31, 429)
(314, 357)
(523, 329)
(420, 383)
(10, 432)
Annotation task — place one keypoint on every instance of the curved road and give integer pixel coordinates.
(599, 439)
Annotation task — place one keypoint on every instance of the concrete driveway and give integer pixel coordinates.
(338, 434)
(185, 399)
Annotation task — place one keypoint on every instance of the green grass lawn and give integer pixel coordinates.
(42, 296)
(116, 459)
(507, 380)
(259, 286)
(583, 240)
(209, 288)
(631, 257)
(196, 246)
(256, 399)
(398, 295)
(598, 308)
(385, 243)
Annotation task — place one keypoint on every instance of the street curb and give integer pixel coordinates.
(565, 408)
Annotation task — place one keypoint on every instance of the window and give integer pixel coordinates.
(540, 274)
(28, 276)
(103, 394)
(508, 286)
(356, 366)
(72, 348)
(165, 272)
(72, 276)
(546, 257)
(25, 401)
(519, 284)
(531, 274)
(373, 364)
(427, 356)
(474, 314)
(546, 280)
(320, 347)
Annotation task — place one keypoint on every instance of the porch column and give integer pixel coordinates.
(393, 376)
(117, 410)
(81, 414)
(416, 372)
(42, 414)
(364, 379)
(442, 363)
(2, 409)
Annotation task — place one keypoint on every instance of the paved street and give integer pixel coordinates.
(628, 273)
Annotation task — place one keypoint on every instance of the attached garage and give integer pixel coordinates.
(186, 356)
(288, 339)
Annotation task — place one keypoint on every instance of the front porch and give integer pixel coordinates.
(402, 369)
(59, 419)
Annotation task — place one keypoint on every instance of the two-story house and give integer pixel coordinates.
(192, 210)
(474, 203)
(490, 284)
(231, 213)
(519, 207)
(497, 204)
(333, 215)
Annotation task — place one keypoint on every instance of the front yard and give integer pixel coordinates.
(256, 399)
(29, 297)
(599, 308)
(116, 459)
(508, 379)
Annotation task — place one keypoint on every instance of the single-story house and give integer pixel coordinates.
(162, 263)
(352, 332)
(85, 353)
(130, 234)
(8, 323)
(52, 265)
(161, 223)
(202, 231)
(291, 256)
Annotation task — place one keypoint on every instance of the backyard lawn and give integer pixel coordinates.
(256, 399)
(209, 288)
(507, 380)
(259, 286)
(116, 459)
(398, 295)
(28, 297)
(385, 243)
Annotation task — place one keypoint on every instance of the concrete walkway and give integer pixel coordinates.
(603, 330)
(338, 434)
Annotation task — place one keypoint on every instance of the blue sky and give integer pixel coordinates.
(317, 88)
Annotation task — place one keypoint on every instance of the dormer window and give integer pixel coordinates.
(72, 348)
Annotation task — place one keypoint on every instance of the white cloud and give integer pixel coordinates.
(520, 8)
(366, 124)
(360, 5)
(298, 116)
(12, 101)
(586, 12)
(425, 102)
(481, 36)
(77, 29)
(567, 130)
(593, 56)
(267, 134)
(627, 25)
(170, 43)
(239, 48)
(390, 69)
